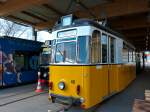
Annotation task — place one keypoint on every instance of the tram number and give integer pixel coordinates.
(73, 81)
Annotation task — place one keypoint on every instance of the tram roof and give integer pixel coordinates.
(87, 22)
(90, 22)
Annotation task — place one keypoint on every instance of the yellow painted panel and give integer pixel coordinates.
(97, 85)
(113, 79)
(70, 75)
(96, 82)
(126, 74)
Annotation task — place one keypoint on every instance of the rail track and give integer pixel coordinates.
(18, 97)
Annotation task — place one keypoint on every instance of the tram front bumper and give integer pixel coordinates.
(65, 99)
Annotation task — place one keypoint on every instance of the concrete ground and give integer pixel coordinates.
(24, 99)
(30, 103)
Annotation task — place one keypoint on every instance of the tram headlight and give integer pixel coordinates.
(39, 73)
(82, 100)
(45, 75)
(61, 85)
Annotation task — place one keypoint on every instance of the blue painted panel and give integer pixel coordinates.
(28, 76)
(9, 79)
(9, 76)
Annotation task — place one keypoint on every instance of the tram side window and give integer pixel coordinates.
(134, 56)
(104, 48)
(82, 49)
(25, 61)
(112, 50)
(130, 56)
(19, 62)
(95, 47)
(125, 54)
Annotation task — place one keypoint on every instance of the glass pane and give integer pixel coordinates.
(83, 47)
(112, 49)
(125, 55)
(66, 52)
(104, 48)
(95, 47)
(133, 56)
(45, 56)
(130, 56)
(19, 61)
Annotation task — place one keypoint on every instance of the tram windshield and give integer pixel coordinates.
(72, 51)
(45, 56)
(65, 52)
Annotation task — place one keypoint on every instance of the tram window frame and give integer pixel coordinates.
(107, 45)
(97, 57)
(110, 49)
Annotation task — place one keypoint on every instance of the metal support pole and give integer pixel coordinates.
(34, 34)
(143, 61)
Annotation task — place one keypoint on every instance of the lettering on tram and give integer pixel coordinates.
(88, 61)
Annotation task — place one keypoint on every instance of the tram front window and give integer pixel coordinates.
(45, 58)
(66, 52)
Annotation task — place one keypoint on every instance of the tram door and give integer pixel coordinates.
(105, 59)
(108, 59)
(112, 70)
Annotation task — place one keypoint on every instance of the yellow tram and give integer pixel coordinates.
(89, 62)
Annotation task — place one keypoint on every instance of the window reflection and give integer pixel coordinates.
(95, 47)
(104, 48)
(66, 52)
(83, 49)
(112, 49)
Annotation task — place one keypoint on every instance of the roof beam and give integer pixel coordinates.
(86, 8)
(20, 20)
(137, 39)
(131, 23)
(118, 8)
(113, 9)
(53, 9)
(12, 6)
(34, 16)
(135, 34)
(45, 25)
(133, 31)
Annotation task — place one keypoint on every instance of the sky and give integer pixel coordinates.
(43, 35)
(24, 32)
